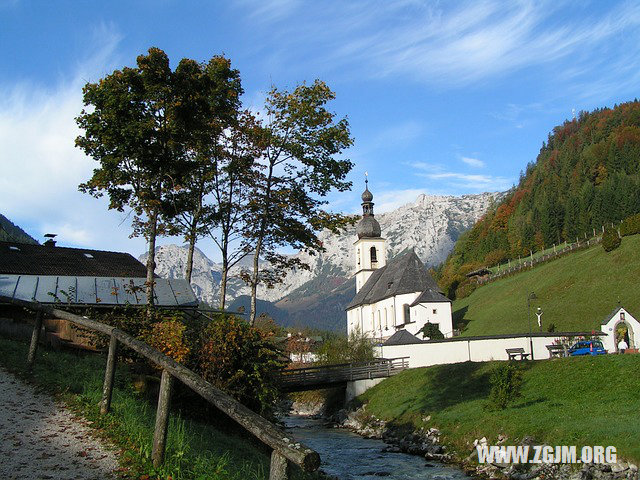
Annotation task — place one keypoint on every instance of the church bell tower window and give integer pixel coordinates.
(374, 255)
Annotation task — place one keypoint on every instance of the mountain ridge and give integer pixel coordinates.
(316, 297)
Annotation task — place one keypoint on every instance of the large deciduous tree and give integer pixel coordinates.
(211, 106)
(144, 126)
(300, 144)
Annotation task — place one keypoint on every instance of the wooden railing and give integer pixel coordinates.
(284, 449)
(344, 372)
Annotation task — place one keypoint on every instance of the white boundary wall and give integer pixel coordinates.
(473, 349)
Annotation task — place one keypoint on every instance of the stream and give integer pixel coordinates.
(349, 456)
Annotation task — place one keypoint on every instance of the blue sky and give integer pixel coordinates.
(442, 97)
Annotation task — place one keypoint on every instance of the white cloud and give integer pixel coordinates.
(389, 200)
(454, 183)
(473, 162)
(449, 43)
(42, 168)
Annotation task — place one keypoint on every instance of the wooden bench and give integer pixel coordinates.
(517, 354)
(556, 351)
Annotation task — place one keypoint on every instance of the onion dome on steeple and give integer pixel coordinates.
(368, 227)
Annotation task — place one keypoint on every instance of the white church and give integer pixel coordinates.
(393, 295)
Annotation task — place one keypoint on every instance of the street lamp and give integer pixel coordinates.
(531, 296)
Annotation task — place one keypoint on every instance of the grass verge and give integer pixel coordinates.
(195, 450)
(576, 292)
(569, 401)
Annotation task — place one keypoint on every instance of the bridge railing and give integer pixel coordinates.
(284, 449)
(383, 367)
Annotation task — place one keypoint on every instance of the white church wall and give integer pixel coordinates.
(432, 312)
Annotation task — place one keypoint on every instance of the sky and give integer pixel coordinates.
(445, 98)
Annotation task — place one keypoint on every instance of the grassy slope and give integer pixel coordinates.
(576, 292)
(571, 401)
(194, 450)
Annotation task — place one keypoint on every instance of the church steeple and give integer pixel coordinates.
(368, 227)
(370, 248)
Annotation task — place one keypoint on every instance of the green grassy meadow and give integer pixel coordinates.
(568, 401)
(576, 292)
(195, 450)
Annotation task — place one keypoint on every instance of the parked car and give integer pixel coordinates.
(587, 347)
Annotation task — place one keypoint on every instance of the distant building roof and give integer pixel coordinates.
(85, 290)
(404, 274)
(25, 259)
(481, 272)
(402, 337)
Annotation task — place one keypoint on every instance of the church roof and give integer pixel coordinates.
(402, 337)
(404, 274)
(430, 295)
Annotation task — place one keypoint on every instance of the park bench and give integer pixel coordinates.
(556, 351)
(517, 354)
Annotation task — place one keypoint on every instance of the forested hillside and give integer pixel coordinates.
(585, 176)
(12, 233)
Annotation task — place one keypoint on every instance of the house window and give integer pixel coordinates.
(374, 255)
(358, 257)
(435, 311)
(407, 313)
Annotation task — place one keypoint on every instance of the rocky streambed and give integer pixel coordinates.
(425, 443)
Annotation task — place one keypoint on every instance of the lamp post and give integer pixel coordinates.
(531, 296)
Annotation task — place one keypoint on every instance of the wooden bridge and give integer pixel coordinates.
(311, 378)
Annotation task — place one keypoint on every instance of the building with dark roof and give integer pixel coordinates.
(78, 277)
(26, 259)
(396, 295)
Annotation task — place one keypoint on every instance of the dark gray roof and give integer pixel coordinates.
(368, 227)
(25, 259)
(404, 274)
(430, 295)
(402, 337)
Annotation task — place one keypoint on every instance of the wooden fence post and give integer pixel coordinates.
(35, 338)
(279, 467)
(109, 374)
(162, 419)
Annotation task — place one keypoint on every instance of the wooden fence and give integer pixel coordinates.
(304, 378)
(284, 449)
(503, 272)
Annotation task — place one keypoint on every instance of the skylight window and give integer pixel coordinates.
(14, 248)
(88, 255)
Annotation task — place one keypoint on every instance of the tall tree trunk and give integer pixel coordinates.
(192, 245)
(223, 280)
(254, 281)
(151, 257)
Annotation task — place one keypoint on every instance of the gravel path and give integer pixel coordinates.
(40, 439)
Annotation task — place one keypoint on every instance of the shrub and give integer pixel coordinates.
(356, 348)
(506, 384)
(238, 359)
(466, 288)
(630, 225)
(169, 337)
(610, 239)
(432, 331)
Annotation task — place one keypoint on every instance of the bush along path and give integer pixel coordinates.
(41, 439)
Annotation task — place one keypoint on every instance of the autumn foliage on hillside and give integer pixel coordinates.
(585, 176)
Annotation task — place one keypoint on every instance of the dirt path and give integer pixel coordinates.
(40, 439)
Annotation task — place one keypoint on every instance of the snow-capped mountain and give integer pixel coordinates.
(430, 225)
